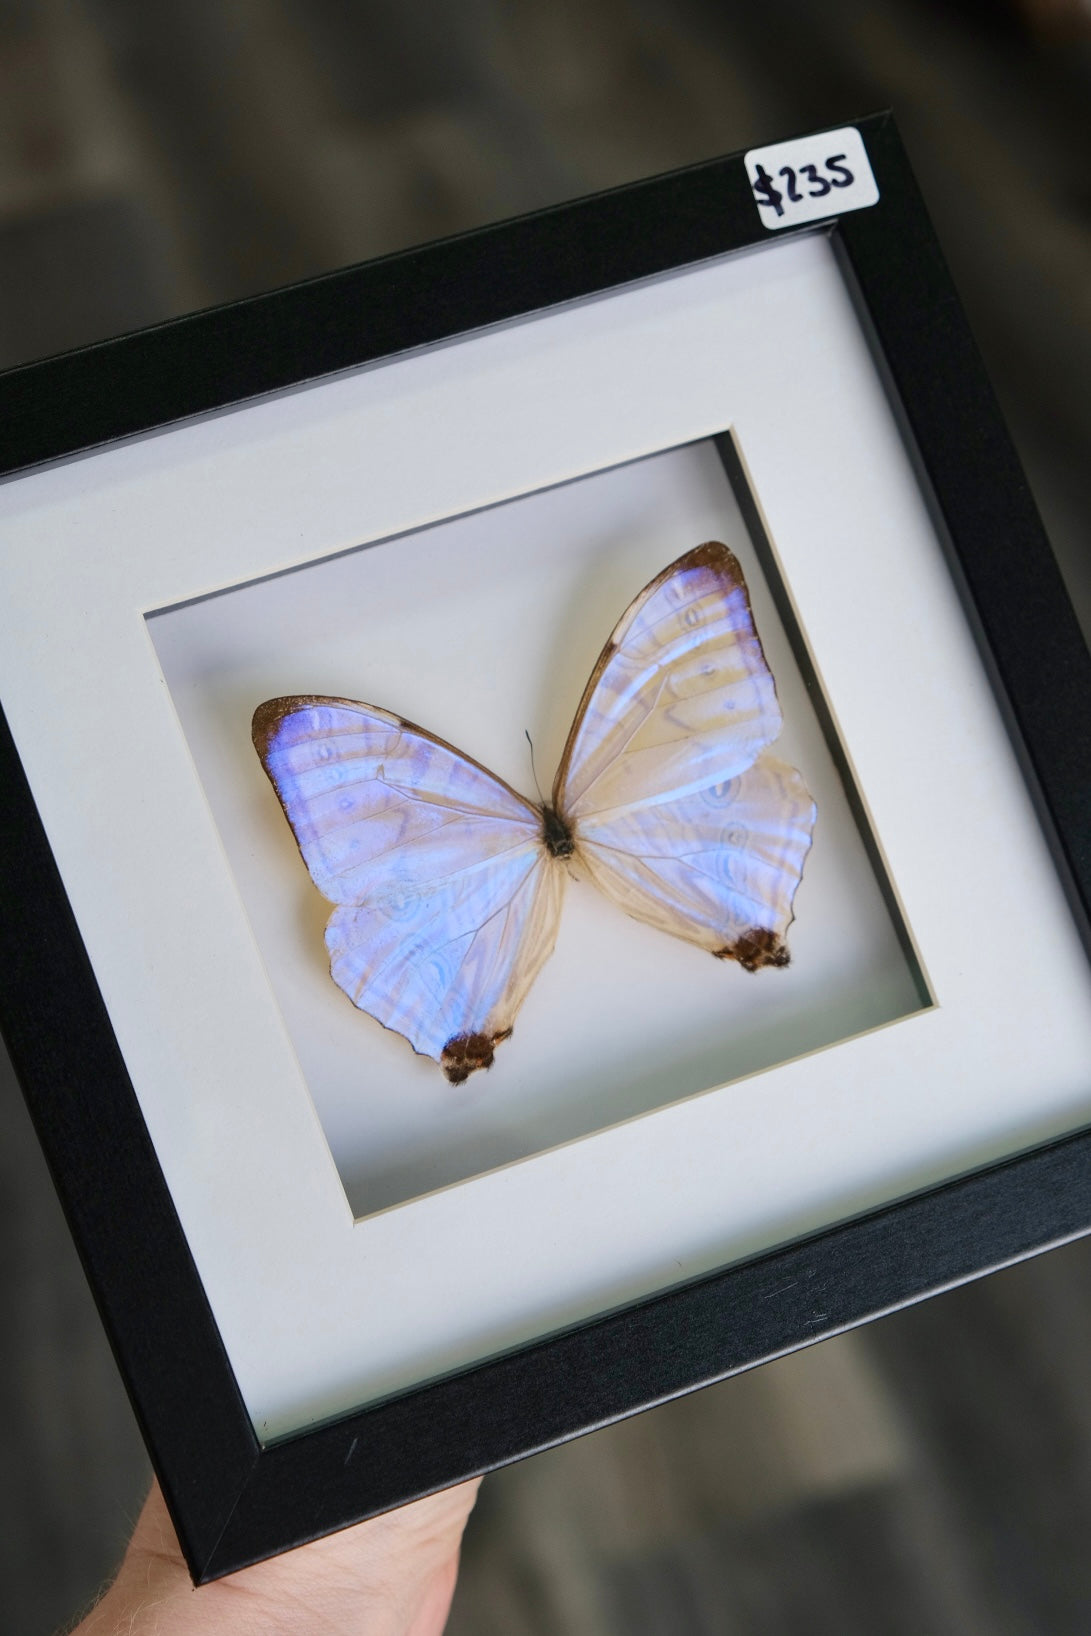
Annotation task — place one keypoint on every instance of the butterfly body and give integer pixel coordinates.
(447, 884)
(556, 834)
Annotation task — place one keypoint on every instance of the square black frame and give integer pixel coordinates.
(234, 1501)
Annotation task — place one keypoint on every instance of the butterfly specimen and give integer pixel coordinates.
(448, 884)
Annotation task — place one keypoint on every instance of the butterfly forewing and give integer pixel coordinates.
(447, 898)
(676, 813)
(681, 696)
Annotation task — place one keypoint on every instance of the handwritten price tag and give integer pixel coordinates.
(813, 177)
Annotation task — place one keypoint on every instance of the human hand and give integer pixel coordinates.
(392, 1576)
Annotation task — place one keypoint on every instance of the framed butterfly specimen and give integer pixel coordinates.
(333, 1278)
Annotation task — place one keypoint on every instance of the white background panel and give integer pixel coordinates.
(481, 630)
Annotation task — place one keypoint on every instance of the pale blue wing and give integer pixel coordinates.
(676, 812)
(447, 898)
(450, 965)
(681, 697)
(718, 867)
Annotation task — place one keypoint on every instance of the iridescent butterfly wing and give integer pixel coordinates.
(447, 899)
(676, 811)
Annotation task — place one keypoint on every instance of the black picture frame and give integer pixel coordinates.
(234, 1501)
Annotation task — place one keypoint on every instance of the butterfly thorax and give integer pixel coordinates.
(556, 834)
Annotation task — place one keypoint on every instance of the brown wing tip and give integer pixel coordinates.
(756, 948)
(465, 1053)
(712, 554)
(269, 715)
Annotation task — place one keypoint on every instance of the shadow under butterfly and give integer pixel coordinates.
(448, 884)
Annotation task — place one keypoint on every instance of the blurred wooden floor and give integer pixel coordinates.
(931, 1474)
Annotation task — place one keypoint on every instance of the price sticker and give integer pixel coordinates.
(815, 176)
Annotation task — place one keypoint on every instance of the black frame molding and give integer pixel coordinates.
(234, 1501)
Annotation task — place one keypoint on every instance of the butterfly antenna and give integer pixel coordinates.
(533, 769)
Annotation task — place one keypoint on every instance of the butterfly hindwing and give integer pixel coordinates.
(718, 867)
(677, 814)
(447, 900)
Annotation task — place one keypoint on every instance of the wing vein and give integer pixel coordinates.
(435, 880)
(608, 765)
